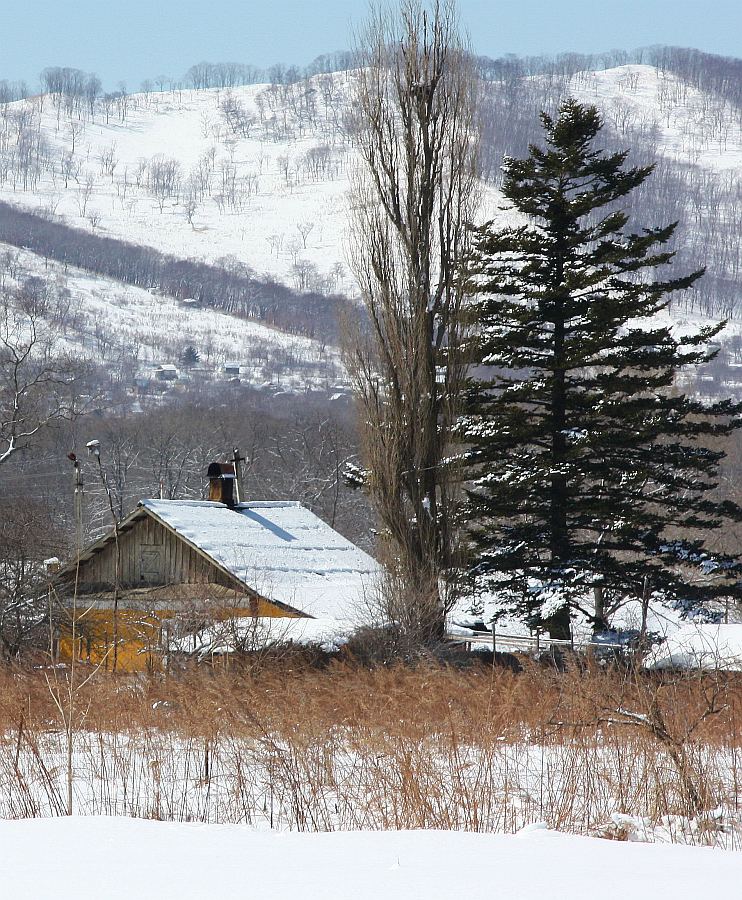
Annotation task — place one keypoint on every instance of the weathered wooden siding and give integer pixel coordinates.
(151, 555)
(156, 569)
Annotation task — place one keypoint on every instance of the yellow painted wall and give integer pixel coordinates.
(139, 635)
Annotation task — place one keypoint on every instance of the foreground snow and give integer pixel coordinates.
(40, 858)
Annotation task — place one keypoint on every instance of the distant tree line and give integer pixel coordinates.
(10, 91)
(235, 290)
(705, 71)
(710, 72)
(229, 74)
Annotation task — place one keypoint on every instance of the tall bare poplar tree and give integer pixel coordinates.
(416, 187)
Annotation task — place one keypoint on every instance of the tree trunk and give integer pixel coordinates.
(599, 620)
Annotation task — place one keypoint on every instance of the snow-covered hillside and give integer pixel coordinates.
(268, 189)
(132, 332)
(258, 177)
(688, 125)
(261, 172)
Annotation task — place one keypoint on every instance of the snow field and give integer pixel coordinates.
(41, 859)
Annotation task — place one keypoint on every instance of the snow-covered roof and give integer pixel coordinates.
(279, 549)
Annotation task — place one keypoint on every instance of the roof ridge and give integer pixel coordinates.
(215, 504)
(211, 503)
(268, 504)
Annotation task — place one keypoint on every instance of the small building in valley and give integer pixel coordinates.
(174, 565)
(166, 372)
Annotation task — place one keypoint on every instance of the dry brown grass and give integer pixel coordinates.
(341, 747)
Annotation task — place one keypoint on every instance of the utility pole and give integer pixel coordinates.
(94, 451)
(237, 461)
(65, 700)
(78, 501)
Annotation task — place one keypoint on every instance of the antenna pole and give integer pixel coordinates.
(78, 498)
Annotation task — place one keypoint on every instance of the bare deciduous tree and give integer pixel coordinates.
(293, 247)
(304, 229)
(85, 192)
(36, 381)
(26, 537)
(236, 117)
(163, 179)
(415, 129)
(191, 200)
(108, 160)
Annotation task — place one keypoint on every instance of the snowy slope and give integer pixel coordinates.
(119, 325)
(273, 192)
(41, 858)
(291, 168)
(688, 128)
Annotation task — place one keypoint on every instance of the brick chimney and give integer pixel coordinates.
(222, 481)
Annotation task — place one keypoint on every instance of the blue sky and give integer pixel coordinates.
(135, 39)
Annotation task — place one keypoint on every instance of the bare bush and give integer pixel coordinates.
(312, 747)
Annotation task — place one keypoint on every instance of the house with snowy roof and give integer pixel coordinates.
(173, 565)
(166, 372)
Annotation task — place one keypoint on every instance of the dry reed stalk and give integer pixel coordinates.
(345, 747)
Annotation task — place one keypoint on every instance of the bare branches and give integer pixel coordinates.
(415, 130)
(37, 382)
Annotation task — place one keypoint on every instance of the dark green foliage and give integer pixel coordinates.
(190, 356)
(588, 468)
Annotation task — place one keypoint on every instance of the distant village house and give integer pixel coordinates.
(166, 372)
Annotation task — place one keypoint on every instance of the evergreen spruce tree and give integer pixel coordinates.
(589, 473)
(190, 357)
